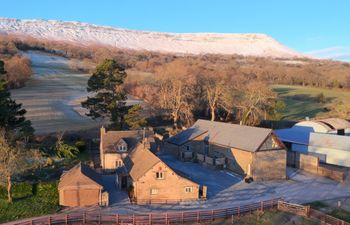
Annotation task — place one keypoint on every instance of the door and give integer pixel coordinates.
(124, 182)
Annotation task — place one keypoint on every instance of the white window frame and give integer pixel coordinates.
(160, 175)
(188, 189)
(118, 163)
(154, 191)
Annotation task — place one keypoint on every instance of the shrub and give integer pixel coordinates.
(81, 145)
(19, 190)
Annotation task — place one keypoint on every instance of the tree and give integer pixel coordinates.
(214, 86)
(12, 114)
(13, 161)
(106, 83)
(134, 119)
(64, 150)
(175, 92)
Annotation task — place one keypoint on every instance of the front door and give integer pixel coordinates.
(124, 182)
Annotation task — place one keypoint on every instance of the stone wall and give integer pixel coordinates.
(171, 188)
(269, 165)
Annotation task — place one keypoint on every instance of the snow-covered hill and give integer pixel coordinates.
(187, 43)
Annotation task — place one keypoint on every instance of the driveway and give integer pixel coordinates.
(226, 189)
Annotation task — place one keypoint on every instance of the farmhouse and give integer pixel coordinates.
(150, 180)
(327, 139)
(81, 186)
(116, 145)
(250, 151)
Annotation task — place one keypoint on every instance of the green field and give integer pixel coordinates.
(302, 101)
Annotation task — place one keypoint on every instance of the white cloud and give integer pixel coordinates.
(341, 53)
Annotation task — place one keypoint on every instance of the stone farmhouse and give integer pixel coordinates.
(150, 180)
(250, 151)
(81, 186)
(116, 145)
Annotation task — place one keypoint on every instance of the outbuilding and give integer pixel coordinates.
(81, 186)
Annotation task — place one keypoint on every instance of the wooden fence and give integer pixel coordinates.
(153, 218)
(307, 212)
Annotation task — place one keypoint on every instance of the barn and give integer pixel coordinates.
(81, 186)
(327, 139)
(249, 151)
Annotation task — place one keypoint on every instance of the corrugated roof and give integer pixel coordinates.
(139, 161)
(336, 123)
(227, 134)
(80, 176)
(297, 135)
(186, 135)
(330, 141)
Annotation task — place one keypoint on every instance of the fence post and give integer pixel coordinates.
(49, 222)
(166, 218)
(212, 215)
(99, 218)
(84, 218)
(133, 219)
(226, 216)
(150, 219)
(198, 217)
(239, 211)
(116, 219)
(262, 206)
(308, 211)
(66, 219)
(182, 217)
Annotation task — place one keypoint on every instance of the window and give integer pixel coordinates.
(122, 148)
(160, 175)
(188, 189)
(118, 163)
(188, 148)
(154, 191)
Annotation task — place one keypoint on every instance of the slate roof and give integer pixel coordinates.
(110, 139)
(140, 161)
(231, 135)
(188, 134)
(80, 176)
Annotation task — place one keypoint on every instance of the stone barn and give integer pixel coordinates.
(250, 151)
(81, 186)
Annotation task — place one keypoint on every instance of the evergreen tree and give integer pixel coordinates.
(109, 97)
(12, 114)
(134, 119)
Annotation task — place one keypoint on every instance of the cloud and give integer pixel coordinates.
(341, 53)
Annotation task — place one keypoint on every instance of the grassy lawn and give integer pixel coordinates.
(269, 217)
(29, 200)
(330, 210)
(302, 101)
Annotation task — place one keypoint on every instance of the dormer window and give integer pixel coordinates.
(122, 148)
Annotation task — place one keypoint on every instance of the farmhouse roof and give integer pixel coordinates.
(80, 176)
(140, 161)
(110, 139)
(231, 135)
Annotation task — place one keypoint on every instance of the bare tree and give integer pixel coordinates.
(175, 92)
(13, 161)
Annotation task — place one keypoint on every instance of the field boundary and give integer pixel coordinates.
(184, 217)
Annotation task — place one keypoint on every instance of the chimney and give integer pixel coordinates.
(103, 130)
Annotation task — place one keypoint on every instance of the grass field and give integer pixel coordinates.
(29, 200)
(302, 101)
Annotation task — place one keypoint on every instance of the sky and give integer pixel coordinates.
(319, 27)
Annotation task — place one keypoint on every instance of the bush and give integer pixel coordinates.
(81, 145)
(20, 190)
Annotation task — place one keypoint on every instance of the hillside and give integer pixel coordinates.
(259, 45)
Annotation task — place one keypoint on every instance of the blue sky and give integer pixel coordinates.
(318, 26)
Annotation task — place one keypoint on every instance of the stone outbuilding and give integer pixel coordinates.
(250, 151)
(81, 186)
(151, 181)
